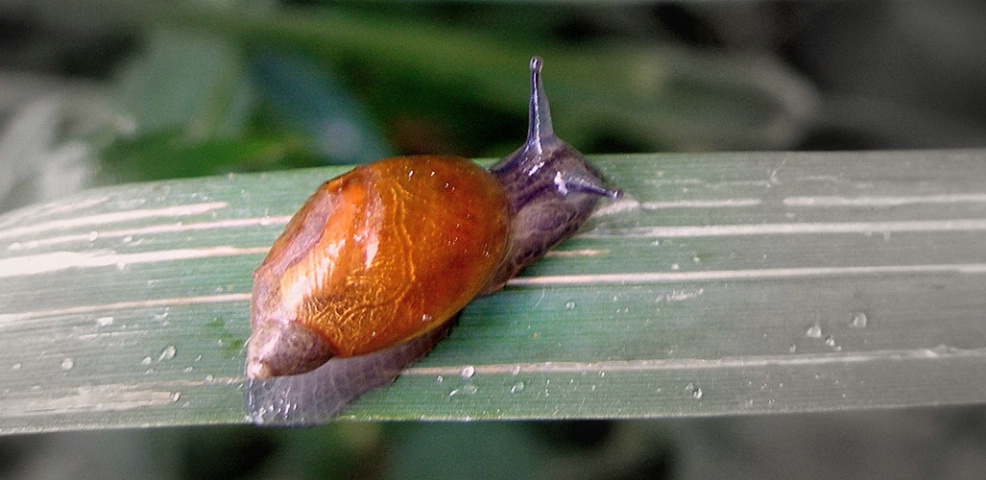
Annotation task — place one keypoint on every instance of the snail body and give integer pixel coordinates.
(368, 274)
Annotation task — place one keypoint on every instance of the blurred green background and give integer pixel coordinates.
(98, 92)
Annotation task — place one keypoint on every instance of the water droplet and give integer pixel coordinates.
(830, 341)
(794, 348)
(168, 353)
(569, 305)
(695, 259)
(162, 315)
(16, 366)
(145, 361)
(188, 370)
(15, 246)
(468, 371)
(859, 320)
(175, 397)
(209, 378)
(128, 239)
(426, 318)
(439, 379)
(68, 363)
(517, 387)
(814, 331)
(104, 321)
(93, 235)
(515, 371)
(675, 266)
(694, 391)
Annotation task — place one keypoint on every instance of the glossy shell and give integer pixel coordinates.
(375, 257)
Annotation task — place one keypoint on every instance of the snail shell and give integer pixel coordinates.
(368, 274)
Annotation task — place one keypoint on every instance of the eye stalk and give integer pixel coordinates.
(539, 125)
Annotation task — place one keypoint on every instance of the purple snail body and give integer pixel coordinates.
(369, 273)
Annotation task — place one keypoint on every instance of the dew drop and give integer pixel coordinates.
(830, 341)
(188, 370)
(675, 267)
(793, 348)
(68, 363)
(569, 305)
(859, 320)
(469, 389)
(814, 331)
(16, 366)
(175, 397)
(168, 353)
(439, 379)
(515, 371)
(209, 378)
(128, 239)
(104, 321)
(694, 391)
(468, 371)
(426, 318)
(93, 235)
(517, 387)
(145, 361)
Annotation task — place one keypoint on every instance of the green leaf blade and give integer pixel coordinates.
(721, 284)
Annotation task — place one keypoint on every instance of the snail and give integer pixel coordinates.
(369, 273)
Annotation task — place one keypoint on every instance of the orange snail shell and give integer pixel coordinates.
(378, 256)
